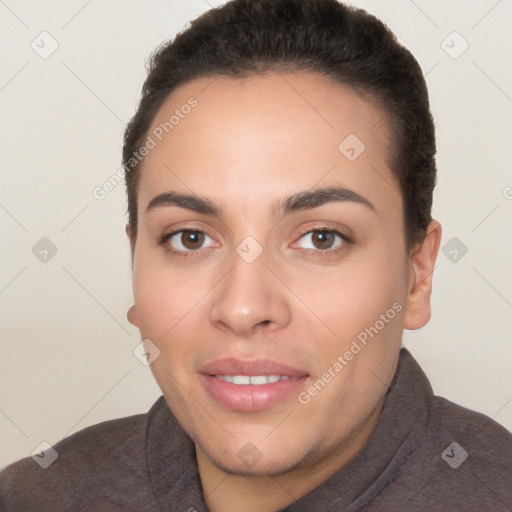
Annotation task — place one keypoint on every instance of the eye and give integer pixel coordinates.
(323, 240)
(186, 241)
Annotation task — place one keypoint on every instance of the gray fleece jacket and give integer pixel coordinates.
(426, 454)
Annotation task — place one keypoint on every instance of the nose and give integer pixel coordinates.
(250, 297)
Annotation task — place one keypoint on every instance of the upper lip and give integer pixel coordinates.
(232, 366)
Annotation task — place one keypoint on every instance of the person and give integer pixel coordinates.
(280, 172)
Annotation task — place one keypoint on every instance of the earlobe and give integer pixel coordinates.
(422, 263)
(132, 316)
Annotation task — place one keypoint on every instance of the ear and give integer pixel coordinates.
(132, 316)
(417, 309)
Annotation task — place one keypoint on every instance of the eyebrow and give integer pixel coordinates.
(309, 199)
(304, 200)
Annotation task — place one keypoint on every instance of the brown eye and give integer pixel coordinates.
(323, 239)
(192, 239)
(186, 241)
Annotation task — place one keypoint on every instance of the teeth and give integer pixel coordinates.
(241, 379)
(255, 380)
(258, 380)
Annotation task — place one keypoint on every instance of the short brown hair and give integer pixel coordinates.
(346, 44)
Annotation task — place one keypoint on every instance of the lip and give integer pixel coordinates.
(246, 397)
(232, 366)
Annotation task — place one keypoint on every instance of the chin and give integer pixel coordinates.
(249, 461)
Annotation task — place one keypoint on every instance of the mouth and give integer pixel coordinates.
(254, 380)
(250, 386)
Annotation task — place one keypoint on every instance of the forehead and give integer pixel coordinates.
(265, 135)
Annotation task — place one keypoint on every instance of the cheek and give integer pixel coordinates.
(159, 295)
(167, 308)
(167, 297)
(351, 297)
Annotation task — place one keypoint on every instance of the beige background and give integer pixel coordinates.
(66, 354)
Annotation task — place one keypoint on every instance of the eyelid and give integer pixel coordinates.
(163, 239)
(325, 254)
(311, 229)
(177, 227)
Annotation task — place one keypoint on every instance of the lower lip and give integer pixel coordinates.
(247, 397)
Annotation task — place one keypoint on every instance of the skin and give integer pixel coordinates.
(248, 144)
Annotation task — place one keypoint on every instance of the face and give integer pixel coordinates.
(270, 268)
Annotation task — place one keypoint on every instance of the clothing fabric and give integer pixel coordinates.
(426, 454)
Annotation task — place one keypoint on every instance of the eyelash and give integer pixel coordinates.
(319, 253)
(315, 253)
